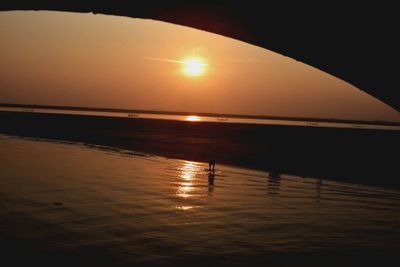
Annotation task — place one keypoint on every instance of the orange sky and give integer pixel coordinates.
(58, 58)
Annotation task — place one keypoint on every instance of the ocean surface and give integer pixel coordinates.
(72, 204)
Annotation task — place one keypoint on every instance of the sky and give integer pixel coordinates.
(76, 59)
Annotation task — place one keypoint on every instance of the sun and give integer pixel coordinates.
(194, 66)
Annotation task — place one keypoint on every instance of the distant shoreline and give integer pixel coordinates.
(217, 115)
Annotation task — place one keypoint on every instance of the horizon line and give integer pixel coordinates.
(253, 116)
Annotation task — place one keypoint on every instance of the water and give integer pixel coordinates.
(98, 206)
(206, 118)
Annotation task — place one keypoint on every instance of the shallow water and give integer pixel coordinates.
(99, 206)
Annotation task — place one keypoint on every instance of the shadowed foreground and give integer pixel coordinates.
(353, 155)
(70, 204)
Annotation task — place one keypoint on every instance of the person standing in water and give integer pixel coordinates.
(211, 162)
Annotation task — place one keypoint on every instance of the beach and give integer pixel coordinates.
(354, 155)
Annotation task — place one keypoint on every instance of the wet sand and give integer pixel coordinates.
(354, 155)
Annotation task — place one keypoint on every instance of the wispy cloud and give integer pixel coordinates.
(164, 59)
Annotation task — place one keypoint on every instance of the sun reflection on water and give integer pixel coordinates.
(187, 173)
(193, 118)
(184, 207)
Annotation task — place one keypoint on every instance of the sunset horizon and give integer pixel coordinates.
(109, 61)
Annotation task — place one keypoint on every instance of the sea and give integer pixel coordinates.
(74, 204)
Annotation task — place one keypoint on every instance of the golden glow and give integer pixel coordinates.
(184, 190)
(194, 66)
(187, 173)
(192, 118)
(184, 207)
(152, 65)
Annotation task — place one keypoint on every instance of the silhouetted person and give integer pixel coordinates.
(211, 162)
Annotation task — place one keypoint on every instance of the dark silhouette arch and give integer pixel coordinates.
(355, 43)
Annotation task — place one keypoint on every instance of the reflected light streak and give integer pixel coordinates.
(187, 172)
(184, 207)
(192, 118)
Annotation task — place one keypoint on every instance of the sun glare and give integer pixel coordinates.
(194, 66)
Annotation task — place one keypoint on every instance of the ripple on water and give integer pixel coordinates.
(142, 208)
